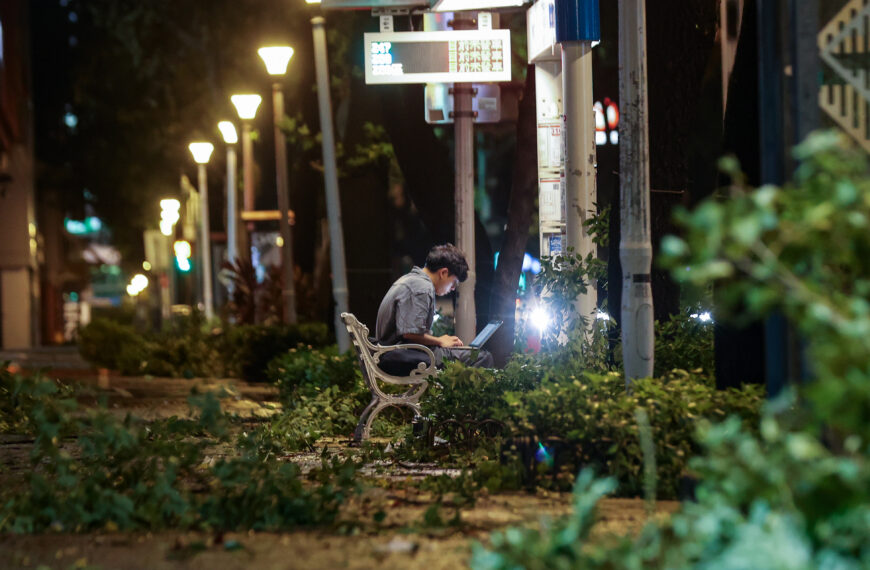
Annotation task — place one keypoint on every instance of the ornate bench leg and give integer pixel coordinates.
(362, 428)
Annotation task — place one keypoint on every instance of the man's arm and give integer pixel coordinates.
(445, 341)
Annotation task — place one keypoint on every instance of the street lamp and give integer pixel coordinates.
(276, 59)
(201, 152)
(231, 137)
(246, 106)
(330, 177)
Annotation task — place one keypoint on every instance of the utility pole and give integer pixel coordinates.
(577, 26)
(463, 132)
(635, 245)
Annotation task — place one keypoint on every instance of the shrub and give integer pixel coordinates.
(126, 474)
(593, 420)
(253, 347)
(188, 347)
(684, 342)
(305, 371)
(108, 344)
(24, 401)
(797, 493)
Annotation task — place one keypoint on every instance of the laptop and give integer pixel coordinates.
(484, 335)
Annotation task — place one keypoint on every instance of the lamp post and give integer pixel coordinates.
(231, 137)
(276, 59)
(246, 106)
(201, 152)
(330, 170)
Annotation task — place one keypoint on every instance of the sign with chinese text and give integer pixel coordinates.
(465, 56)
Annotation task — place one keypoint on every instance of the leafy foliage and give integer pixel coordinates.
(804, 250)
(565, 277)
(684, 342)
(125, 474)
(588, 418)
(190, 347)
(795, 494)
(22, 397)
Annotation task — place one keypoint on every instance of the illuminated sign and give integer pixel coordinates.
(465, 56)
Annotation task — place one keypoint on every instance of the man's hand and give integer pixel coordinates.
(449, 341)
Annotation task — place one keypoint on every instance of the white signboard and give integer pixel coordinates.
(541, 32)
(550, 200)
(466, 56)
(550, 146)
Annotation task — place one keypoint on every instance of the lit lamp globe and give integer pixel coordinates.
(201, 151)
(246, 105)
(228, 132)
(276, 58)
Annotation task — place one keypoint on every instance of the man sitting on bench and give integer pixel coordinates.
(408, 310)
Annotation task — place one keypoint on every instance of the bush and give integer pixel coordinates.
(24, 401)
(322, 392)
(108, 344)
(590, 416)
(684, 342)
(305, 371)
(189, 347)
(593, 420)
(253, 347)
(125, 474)
(797, 493)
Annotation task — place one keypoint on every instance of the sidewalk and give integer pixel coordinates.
(54, 357)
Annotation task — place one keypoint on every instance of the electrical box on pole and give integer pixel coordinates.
(546, 54)
(561, 34)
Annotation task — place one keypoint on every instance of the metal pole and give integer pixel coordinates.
(232, 216)
(330, 173)
(205, 245)
(635, 247)
(247, 187)
(578, 174)
(288, 290)
(771, 144)
(466, 318)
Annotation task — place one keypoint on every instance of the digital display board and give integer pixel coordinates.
(466, 56)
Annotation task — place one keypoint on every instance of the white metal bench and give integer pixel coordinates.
(369, 357)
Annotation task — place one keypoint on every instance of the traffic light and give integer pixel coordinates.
(182, 255)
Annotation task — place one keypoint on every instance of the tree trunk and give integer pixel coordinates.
(521, 208)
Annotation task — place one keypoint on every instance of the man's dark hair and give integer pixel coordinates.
(449, 256)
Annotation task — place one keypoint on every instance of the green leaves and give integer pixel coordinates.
(804, 250)
(128, 475)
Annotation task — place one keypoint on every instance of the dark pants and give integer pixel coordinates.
(477, 358)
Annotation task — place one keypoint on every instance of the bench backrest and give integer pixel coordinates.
(369, 354)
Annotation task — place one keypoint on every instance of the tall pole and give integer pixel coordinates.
(463, 134)
(330, 174)
(772, 161)
(288, 289)
(232, 206)
(635, 247)
(205, 245)
(464, 171)
(232, 216)
(579, 174)
(247, 187)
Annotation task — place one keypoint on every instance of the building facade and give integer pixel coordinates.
(19, 283)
